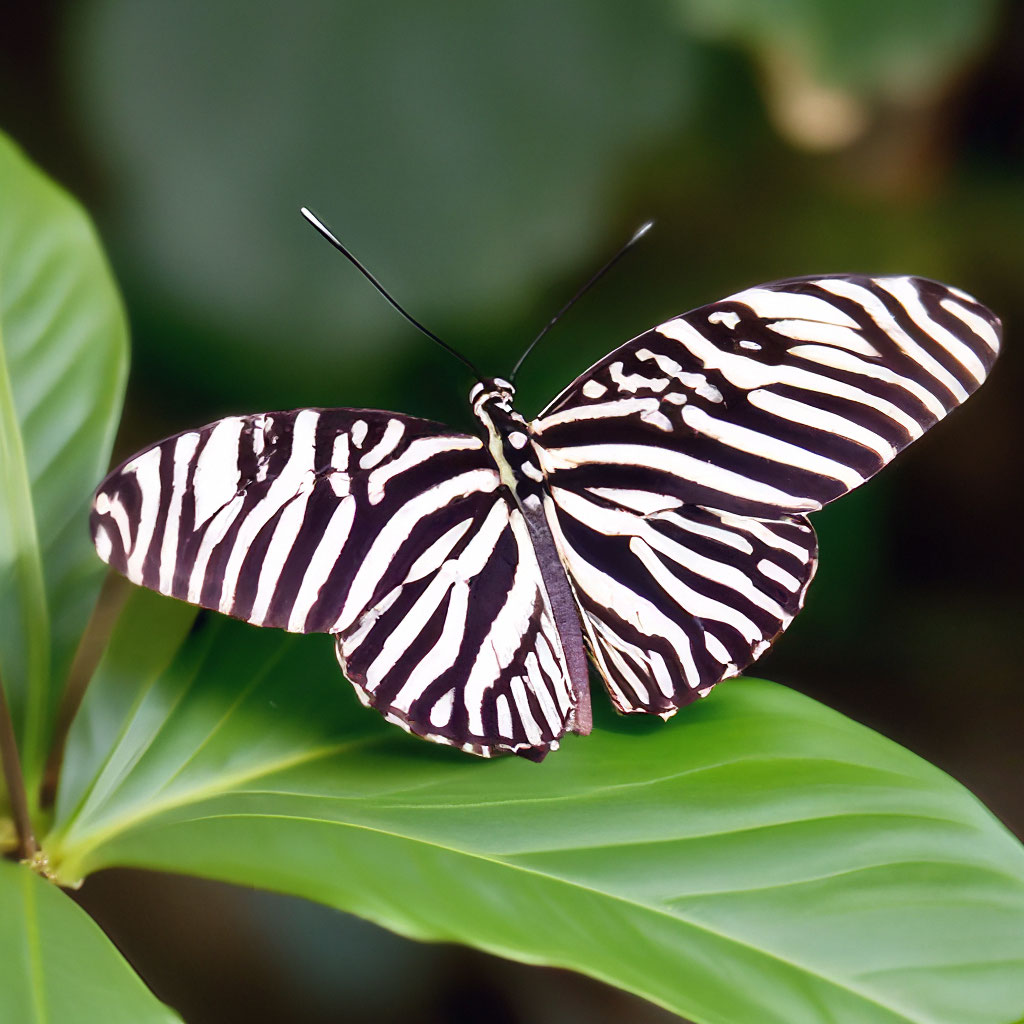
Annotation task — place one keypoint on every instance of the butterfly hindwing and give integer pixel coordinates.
(463, 648)
(392, 532)
(674, 597)
(776, 400)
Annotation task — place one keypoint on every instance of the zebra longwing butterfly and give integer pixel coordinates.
(655, 511)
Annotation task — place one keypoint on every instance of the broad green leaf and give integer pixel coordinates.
(57, 967)
(760, 858)
(63, 358)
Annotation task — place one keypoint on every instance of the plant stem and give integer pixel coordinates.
(27, 846)
(90, 649)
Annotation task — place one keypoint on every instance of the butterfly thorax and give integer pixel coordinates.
(508, 438)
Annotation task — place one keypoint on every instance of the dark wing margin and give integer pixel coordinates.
(363, 524)
(776, 400)
(676, 598)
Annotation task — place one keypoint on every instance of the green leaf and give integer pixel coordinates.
(57, 967)
(760, 858)
(63, 359)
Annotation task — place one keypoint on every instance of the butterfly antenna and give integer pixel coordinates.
(637, 235)
(330, 236)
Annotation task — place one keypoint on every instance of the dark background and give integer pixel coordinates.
(483, 159)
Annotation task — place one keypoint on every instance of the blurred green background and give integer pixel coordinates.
(483, 159)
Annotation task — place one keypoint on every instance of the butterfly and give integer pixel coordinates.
(653, 515)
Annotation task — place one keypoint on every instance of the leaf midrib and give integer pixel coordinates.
(33, 948)
(64, 847)
(61, 844)
(28, 574)
(225, 785)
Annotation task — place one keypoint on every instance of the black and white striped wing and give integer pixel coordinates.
(676, 598)
(393, 533)
(680, 464)
(775, 400)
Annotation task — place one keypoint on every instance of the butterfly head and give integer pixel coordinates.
(492, 393)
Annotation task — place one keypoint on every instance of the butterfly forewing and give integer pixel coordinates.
(776, 400)
(394, 533)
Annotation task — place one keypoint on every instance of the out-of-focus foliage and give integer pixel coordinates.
(874, 48)
(462, 151)
(826, 63)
